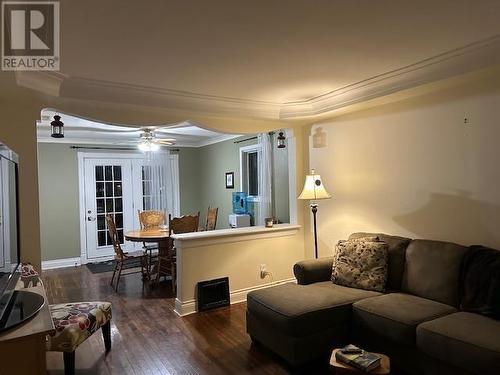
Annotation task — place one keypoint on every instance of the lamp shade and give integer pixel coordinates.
(314, 188)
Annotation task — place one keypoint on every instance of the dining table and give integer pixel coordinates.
(159, 236)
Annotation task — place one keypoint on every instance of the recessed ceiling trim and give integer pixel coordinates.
(222, 138)
(461, 60)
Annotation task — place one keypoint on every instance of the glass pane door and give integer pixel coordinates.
(108, 190)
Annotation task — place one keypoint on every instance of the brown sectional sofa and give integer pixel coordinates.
(417, 322)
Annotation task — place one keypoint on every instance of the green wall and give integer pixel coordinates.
(217, 159)
(214, 161)
(189, 180)
(59, 207)
(58, 191)
(201, 179)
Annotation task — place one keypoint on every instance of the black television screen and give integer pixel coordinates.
(9, 227)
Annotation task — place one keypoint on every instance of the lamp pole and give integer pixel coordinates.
(314, 209)
(312, 191)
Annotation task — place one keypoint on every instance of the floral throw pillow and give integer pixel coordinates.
(361, 263)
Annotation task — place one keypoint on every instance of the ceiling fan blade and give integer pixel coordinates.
(164, 142)
(125, 143)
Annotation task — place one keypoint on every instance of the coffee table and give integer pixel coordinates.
(341, 368)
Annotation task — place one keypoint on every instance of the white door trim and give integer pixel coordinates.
(292, 174)
(81, 156)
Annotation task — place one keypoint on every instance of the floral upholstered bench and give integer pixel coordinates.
(74, 323)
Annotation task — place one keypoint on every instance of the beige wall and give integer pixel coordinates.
(19, 111)
(240, 260)
(414, 168)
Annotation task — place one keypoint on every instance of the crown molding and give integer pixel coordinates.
(154, 96)
(474, 56)
(461, 60)
(48, 83)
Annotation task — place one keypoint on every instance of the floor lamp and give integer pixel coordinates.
(314, 190)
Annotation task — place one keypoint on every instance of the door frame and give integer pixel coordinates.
(81, 156)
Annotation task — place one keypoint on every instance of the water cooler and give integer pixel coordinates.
(240, 217)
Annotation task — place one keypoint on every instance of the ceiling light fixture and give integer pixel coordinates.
(148, 146)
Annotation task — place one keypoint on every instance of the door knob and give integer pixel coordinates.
(90, 218)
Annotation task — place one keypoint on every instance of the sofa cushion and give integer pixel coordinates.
(396, 248)
(360, 264)
(466, 340)
(300, 310)
(432, 270)
(481, 282)
(396, 316)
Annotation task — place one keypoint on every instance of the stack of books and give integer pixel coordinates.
(362, 360)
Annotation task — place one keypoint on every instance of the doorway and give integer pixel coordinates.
(115, 184)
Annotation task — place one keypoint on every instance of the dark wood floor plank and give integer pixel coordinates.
(149, 338)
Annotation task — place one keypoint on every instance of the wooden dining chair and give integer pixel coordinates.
(150, 220)
(167, 262)
(211, 222)
(121, 257)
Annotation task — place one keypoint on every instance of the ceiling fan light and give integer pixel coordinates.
(143, 146)
(147, 146)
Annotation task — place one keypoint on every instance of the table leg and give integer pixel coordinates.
(162, 249)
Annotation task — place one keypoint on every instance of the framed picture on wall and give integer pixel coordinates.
(230, 180)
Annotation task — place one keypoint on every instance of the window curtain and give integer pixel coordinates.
(265, 178)
(158, 179)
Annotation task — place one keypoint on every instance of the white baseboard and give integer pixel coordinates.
(237, 296)
(60, 263)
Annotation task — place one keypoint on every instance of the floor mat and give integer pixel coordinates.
(109, 266)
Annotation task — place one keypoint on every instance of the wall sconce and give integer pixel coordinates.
(57, 127)
(281, 140)
(319, 138)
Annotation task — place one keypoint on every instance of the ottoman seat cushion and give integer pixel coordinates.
(300, 310)
(396, 316)
(75, 322)
(466, 340)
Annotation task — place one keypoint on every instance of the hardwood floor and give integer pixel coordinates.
(149, 338)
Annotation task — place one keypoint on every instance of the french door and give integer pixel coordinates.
(108, 190)
(116, 184)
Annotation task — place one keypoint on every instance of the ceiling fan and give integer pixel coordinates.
(150, 142)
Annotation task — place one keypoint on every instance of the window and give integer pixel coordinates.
(146, 187)
(249, 169)
(253, 174)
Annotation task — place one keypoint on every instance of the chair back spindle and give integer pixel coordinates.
(115, 238)
(211, 218)
(183, 224)
(151, 219)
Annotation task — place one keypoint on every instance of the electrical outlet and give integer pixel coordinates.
(263, 271)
